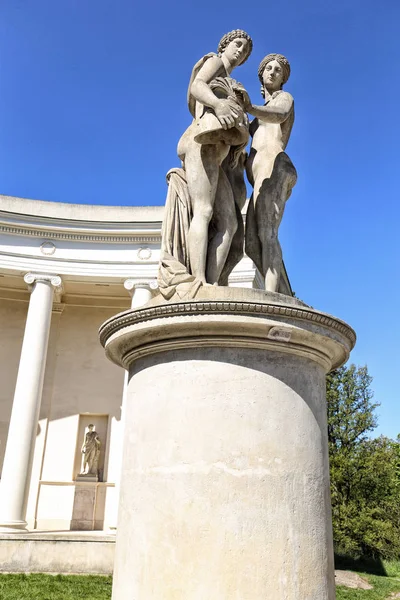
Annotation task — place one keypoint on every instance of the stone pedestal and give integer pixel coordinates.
(225, 475)
(86, 478)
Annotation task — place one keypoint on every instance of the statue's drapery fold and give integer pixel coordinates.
(174, 272)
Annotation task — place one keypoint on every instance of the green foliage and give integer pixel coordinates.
(365, 481)
(54, 587)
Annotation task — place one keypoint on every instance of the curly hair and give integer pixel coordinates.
(282, 60)
(233, 35)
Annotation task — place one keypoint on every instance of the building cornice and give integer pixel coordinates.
(134, 233)
(80, 223)
(88, 213)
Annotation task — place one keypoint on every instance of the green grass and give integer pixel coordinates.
(54, 587)
(383, 575)
(93, 587)
(383, 588)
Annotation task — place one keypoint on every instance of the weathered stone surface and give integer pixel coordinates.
(57, 552)
(90, 453)
(351, 580)
(225, 477)
(202, 238)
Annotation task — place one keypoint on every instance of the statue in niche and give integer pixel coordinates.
(269, 169)
(202, 234)
(90, 453)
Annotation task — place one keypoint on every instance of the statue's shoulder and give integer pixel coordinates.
(211, 56)
(200, 63)
(283, 97)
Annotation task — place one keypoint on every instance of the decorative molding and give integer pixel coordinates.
(144, 253)
(31, 278)
(132, 284)
(315, 354)
(54, 280)
(81, 237)
(47, 248)
(193, 308)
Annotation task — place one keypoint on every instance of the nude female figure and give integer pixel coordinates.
(269, 169)
(209, 187)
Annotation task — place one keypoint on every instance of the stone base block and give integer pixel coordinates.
(57, 552)
(87, 478)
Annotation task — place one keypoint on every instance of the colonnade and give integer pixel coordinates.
(18, 458)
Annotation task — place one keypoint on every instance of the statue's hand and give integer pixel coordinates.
(226, 114)
(245, 99)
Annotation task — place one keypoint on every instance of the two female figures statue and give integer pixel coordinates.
(203, 233)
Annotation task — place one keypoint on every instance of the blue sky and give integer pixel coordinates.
(93, 101)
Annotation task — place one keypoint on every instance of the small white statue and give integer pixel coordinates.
(90, 452)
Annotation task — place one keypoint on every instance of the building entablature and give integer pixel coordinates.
(94, 248)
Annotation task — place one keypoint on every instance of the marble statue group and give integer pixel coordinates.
(203, 236)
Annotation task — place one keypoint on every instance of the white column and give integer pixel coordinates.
(17, 466)
(141, 292)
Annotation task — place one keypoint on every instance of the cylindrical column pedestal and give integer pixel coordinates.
(22, 431)
(225, 476)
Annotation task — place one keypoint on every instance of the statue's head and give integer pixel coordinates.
(90, 427)
(237, 45)
(273, 72)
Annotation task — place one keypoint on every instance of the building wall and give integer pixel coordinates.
(12, 322)
(79, 380)
(84, 382)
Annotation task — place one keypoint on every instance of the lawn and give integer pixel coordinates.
(386, 584)
(92, 587)
(384, 588)
(54, 587)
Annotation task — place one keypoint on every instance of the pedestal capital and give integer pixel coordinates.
(228, 317)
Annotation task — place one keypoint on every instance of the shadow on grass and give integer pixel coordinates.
(362, 564)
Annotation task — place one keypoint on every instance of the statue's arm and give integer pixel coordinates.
(202, 92)
(200, 89)
(277, 113)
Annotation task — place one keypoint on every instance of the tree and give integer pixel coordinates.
(350, 407)
(365, 482)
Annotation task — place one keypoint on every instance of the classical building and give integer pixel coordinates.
(73, 266)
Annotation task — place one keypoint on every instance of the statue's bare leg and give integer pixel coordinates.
(225, 224)
(271, 193)
(270, 205)
(202, 172)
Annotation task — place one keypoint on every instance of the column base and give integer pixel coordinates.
(13, 526)
(87, 478)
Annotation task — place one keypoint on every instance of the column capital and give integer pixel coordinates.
(147, 284)
(54, 280)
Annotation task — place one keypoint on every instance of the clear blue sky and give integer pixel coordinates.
(93, 101)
